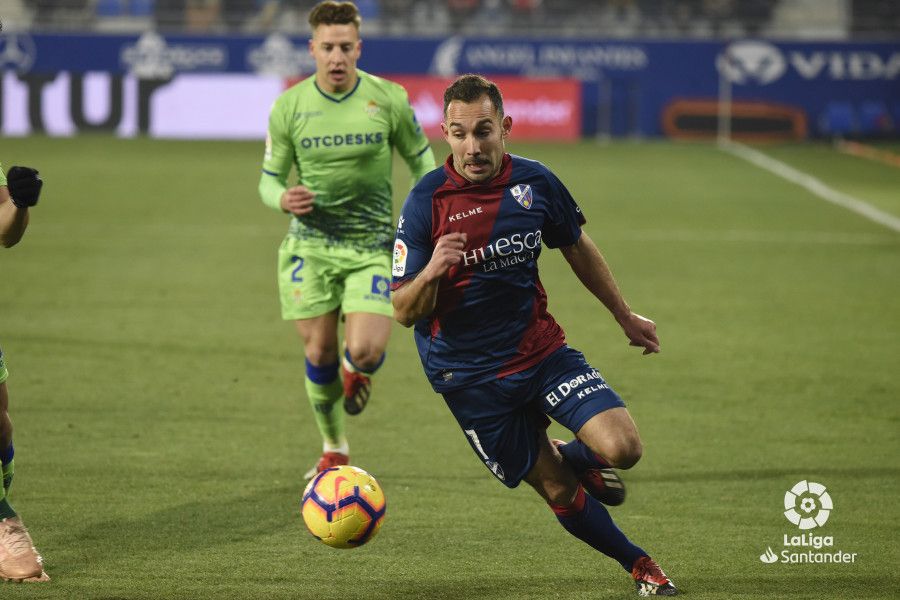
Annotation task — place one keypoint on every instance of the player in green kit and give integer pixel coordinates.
(338, 128)
(19, 561)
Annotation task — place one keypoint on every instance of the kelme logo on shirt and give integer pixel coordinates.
(400, 254)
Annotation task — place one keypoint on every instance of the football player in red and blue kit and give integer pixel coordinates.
(465, 275)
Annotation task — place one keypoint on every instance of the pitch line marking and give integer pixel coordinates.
(812, 184)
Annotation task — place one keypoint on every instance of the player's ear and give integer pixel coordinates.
(444, 130)
(311, 47)
(506, 125)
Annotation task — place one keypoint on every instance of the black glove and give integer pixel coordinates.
(24, 186)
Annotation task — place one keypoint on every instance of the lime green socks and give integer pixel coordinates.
(9, 470)
(325, 390)
(6, 511)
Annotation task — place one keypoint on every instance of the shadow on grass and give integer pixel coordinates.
(229, 547)
(190, 527)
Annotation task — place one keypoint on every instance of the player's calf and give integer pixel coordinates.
(598, 480)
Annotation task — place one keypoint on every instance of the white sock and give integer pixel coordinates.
(343, 447)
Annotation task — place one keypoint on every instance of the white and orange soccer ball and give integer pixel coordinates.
(343, 507)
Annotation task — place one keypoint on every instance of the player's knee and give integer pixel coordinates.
(321, 354)
(365, 355)
(6, 431)
(625, 453)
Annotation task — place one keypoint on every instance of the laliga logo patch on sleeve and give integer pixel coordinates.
(400, 254)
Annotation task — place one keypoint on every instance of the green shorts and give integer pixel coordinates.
(313, 280)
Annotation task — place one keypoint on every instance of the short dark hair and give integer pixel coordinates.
(334, 13)
(469, 88)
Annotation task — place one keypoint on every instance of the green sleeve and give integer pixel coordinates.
(279, 157)
(2, 175)
(270, 190)
(409, 139)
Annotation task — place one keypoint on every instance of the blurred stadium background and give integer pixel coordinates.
(629, 68)
(161, 427)
(836, 19)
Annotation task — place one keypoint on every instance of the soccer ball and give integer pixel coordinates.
(343, 507)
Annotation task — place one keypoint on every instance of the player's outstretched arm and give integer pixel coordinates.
(417, 299)
(589, 265)
(22, 190)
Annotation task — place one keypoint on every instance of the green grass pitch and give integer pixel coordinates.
(162, 427)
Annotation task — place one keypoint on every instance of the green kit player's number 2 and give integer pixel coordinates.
(295, 274)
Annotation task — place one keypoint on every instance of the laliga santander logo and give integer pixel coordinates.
(807, 505)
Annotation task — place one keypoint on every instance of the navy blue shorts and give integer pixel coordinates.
(503, 418)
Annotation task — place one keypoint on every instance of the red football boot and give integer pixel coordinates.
(357, 388)
(327, 460)
(650, 579)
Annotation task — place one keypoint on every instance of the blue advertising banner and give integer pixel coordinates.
(626, 85)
